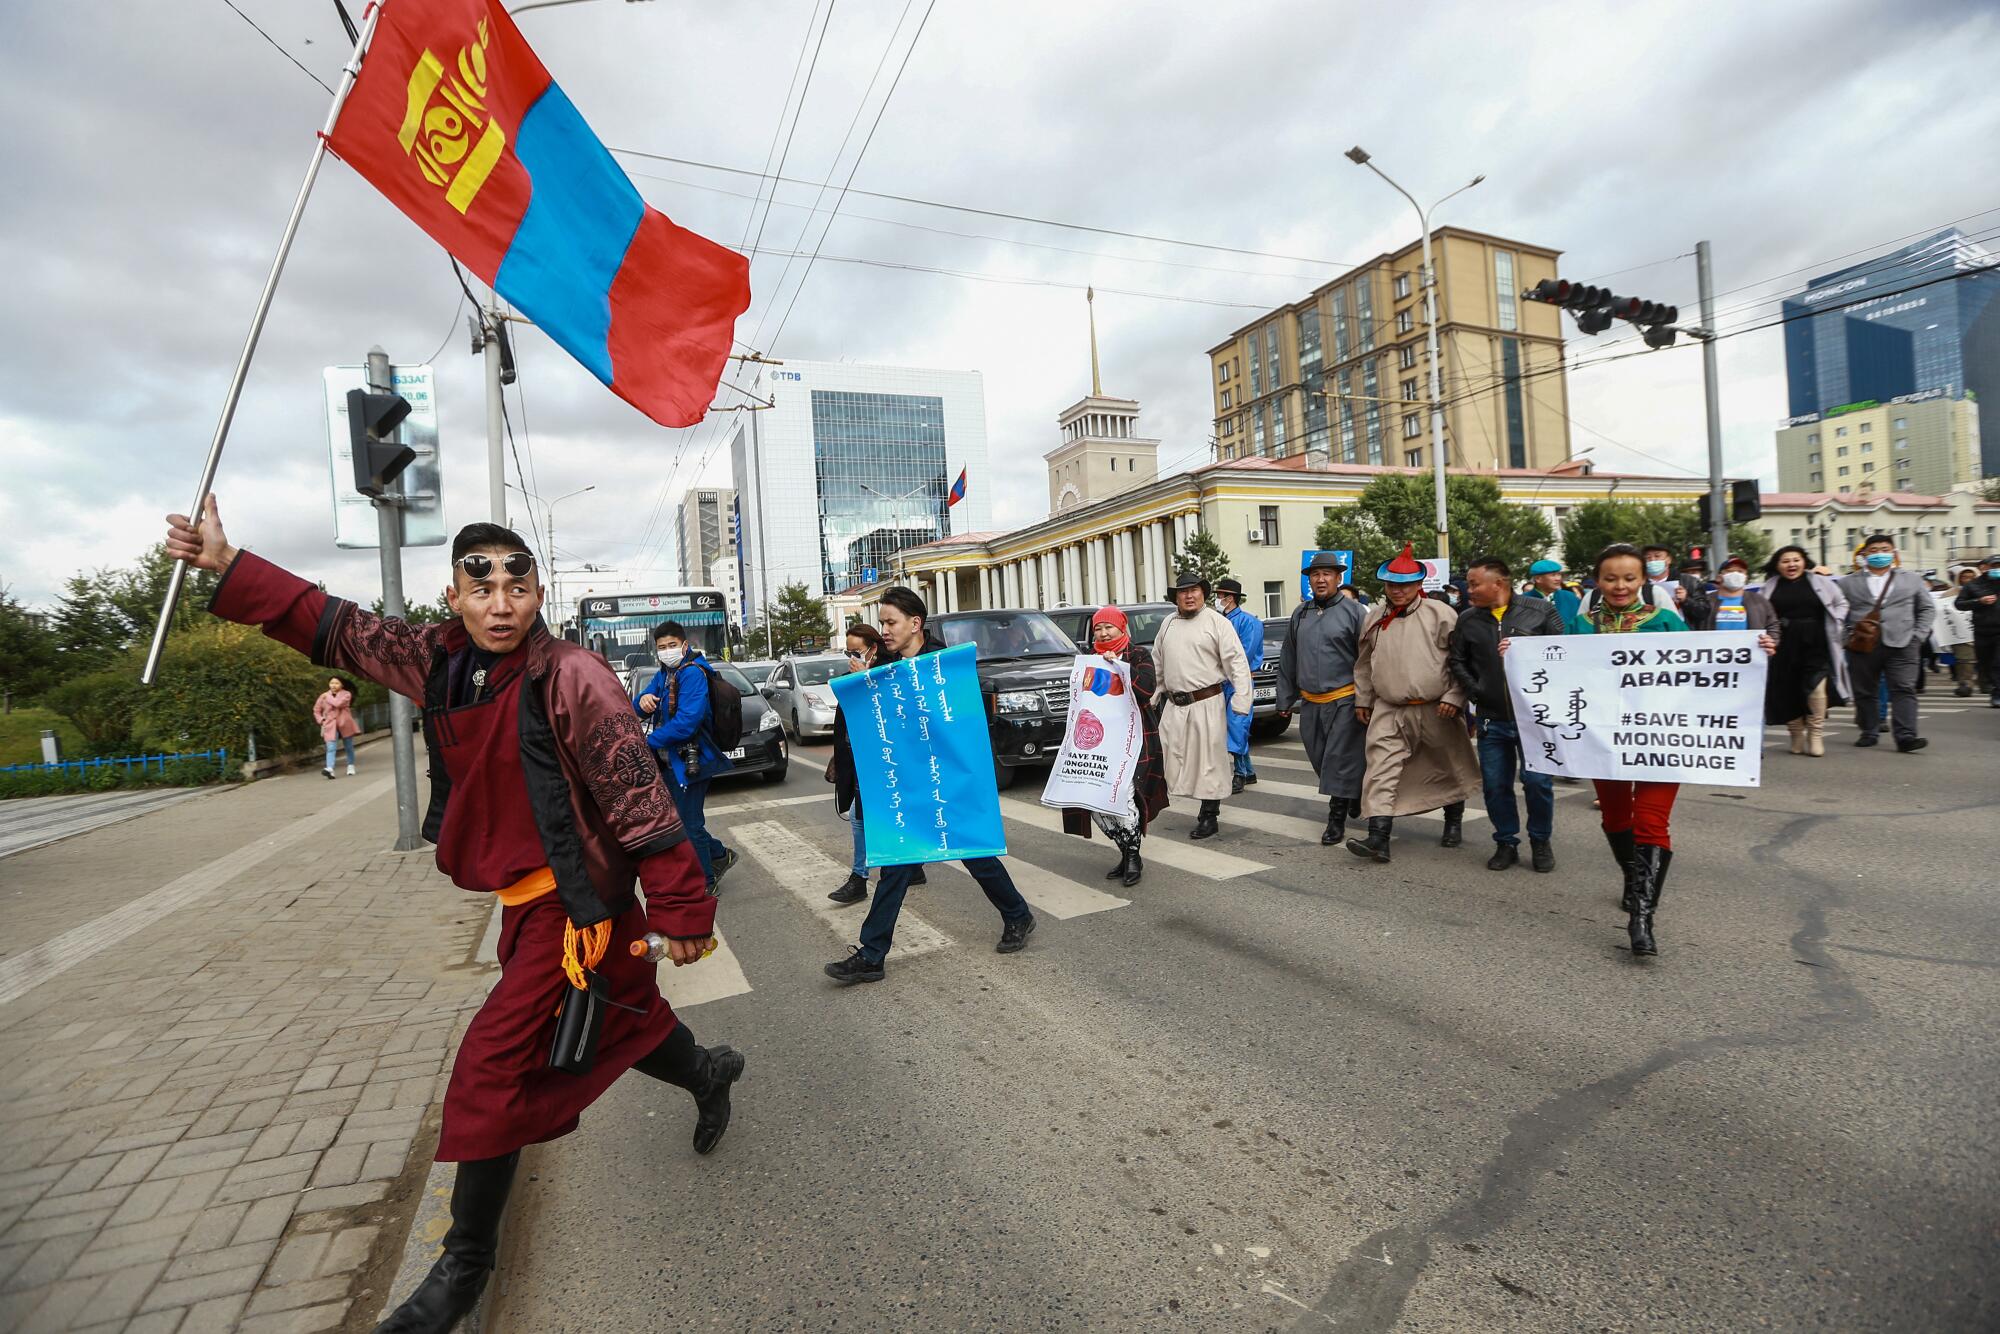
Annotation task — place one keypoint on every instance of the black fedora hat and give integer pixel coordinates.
(1190, 579)
(1231, 586)
(1326, 560)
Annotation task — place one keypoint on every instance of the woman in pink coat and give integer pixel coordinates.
(334, 712)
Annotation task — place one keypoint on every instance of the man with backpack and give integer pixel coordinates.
(683, 706)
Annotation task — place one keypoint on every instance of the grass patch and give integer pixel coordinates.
(21, 736)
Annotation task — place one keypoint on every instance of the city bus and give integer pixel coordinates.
(621, 628)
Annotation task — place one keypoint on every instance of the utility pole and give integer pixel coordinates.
(496, 465)
(763, 538)
(389, 531)
(1718, 504)
(1359, 157)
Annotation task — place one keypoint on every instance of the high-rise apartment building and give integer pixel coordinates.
(851, 465)
(1347, 370)
(1925, 442)
(1923, 319)
(705, 530)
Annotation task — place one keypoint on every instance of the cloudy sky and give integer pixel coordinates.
(150, 153)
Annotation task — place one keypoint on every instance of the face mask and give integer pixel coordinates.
(671, 657)
(1734, 580)
(1656, 567)
(1880, 560)
(1993, 574)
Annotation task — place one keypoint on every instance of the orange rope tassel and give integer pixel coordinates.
(596, 941)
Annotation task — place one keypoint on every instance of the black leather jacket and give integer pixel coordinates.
(1474, 655)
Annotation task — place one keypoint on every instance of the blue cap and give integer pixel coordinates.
(1545, 567)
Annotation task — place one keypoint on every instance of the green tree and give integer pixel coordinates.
(1402, 507)
(105, 612)
(28, 652)
(218, 683)
(99, 705)
(1989, 489)
(1596, 524)
(798, 621)
(88, 629)
(1204, 555)
(421, 613)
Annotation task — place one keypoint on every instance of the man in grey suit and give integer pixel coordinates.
(1907, 611)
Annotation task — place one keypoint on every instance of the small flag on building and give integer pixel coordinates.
(957, 490)
(457, 123)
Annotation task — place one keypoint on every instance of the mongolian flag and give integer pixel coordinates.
(957, 490)
(459, 125)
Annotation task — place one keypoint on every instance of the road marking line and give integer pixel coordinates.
(1306, 793)
(806, 872)
(1199, 861)
(1268, 822)
(765, 804)
(19, 974)
(1057, 895)
(1276, 763)
(717, 977)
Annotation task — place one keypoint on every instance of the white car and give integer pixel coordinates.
(801, 694)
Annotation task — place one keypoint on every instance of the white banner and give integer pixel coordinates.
(1101, 742)
(1665, 708)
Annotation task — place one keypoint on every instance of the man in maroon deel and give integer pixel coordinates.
(544, 793)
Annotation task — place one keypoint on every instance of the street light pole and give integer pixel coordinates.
(895, 514)
(549, 526)
(1359, 156)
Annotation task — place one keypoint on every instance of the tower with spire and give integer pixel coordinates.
(1102, 452)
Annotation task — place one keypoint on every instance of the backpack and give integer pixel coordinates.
(725, 706)
(725, 711)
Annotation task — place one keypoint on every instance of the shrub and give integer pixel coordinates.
(101, 705)
(220, 682)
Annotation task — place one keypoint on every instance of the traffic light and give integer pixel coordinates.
(1746, 503)
(378, 460)
(1596, 307)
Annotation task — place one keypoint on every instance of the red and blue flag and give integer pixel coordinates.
(957, 490)
(457, 123)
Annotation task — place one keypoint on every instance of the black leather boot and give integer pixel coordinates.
(1454, 825)
(1376, 845)
(1621, 845)
(1642, 883)
(852, 890)
(452, 1288)
(1126, 856)
(1235, 785)
(722, 1066)
(1336, 822)
(1205, 824)
(1136, 868)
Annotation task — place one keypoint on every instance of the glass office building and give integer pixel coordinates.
(851, 465)
(1923, 319)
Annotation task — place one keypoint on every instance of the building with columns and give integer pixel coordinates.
(1263, 512)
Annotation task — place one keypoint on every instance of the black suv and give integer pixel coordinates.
(1024, 667)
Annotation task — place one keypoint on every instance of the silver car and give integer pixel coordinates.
(800, 693)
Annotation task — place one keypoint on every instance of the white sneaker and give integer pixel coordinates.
(350, 771)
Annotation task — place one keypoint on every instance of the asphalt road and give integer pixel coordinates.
(1284, 1089)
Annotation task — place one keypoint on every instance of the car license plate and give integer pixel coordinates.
(1267, 692)
(736, 754)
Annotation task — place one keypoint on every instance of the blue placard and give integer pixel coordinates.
(923, 760)
(1306, 558)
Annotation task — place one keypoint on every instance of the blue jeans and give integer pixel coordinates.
(346, 741)
(689, 800)
(888, 903)
(1499, 757)
(1243, 768)
(860, 866)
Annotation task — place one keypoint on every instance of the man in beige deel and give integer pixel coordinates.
(1419, 756)
(1194, 653)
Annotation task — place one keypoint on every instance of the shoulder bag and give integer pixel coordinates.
(1866, 635)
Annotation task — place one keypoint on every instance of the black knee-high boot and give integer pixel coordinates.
(1206, 822)
(1642, 884)
(452, 1288)
(1336, 822)
(1454, 825)
(706, 1072)
(1376, 846)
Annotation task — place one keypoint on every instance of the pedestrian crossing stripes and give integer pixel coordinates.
(711, 979)
(1199, 861)
(807, 872)
(1310, 792)
(1056, 895)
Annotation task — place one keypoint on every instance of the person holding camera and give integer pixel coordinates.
(675, 706)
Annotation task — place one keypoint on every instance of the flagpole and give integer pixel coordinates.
(347, 77)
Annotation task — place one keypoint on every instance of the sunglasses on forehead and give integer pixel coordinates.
(478, 565)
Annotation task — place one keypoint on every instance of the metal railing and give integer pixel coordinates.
(143, 763)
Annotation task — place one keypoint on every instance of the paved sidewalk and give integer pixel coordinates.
(222, 1119)
(27, 823)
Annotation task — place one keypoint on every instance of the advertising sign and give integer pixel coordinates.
(1667, 708)
(420, 485)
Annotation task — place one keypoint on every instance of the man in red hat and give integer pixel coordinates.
(1419, 756)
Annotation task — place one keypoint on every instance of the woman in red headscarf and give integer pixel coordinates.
(1111, 637)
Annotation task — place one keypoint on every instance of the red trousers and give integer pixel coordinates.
(1643, 808)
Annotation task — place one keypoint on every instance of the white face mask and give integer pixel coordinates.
(671, 657)
(1734, 580)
